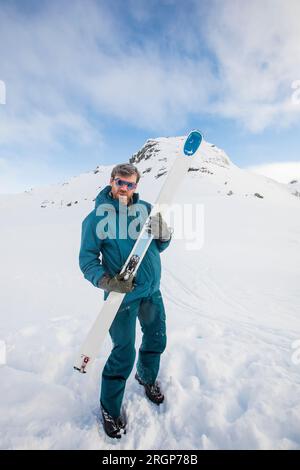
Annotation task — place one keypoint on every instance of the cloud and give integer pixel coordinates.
(257, 50)
(19, 174)
(44, 129)
(147, 92)
(284, 172)
(2, 92)
(232, 59)
(83, 60)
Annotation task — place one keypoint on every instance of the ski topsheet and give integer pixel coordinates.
(100, 328)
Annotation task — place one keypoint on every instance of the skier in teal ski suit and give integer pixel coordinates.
(107, 240)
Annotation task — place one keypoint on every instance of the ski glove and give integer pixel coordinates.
(116, 283)
(159, 228)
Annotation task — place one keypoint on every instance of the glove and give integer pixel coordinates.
(159, 228)
(116, 283)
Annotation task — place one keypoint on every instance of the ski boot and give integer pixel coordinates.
(152, 391)
(113, 427)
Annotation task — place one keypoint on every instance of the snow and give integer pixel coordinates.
(230, 373)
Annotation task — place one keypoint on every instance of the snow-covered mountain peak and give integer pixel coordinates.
(211, 174)
(169, 147)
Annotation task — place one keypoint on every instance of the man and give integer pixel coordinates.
(110, 232)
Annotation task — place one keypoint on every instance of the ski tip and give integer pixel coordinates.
(192, 142)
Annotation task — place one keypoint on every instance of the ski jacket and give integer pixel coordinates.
(108, 235)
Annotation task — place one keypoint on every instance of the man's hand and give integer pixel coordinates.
(159, 228)
(116, 283)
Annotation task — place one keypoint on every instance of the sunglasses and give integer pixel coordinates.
(120, 183)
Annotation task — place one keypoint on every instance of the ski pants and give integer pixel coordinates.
(151, 314)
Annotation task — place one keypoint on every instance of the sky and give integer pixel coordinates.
(87, 82)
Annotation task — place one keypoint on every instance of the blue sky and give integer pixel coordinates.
(87, 82)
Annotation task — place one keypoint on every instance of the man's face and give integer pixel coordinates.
(122, 192)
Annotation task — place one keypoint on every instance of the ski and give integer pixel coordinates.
(100, 328)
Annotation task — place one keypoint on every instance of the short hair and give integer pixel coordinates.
(125, 169)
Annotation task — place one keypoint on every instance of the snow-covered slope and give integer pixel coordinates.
(231, 371)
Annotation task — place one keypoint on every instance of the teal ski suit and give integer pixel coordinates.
(105, 246)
